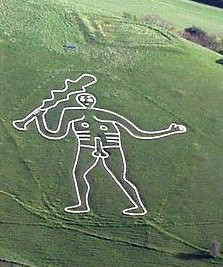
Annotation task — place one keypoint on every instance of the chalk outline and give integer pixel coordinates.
(32, 116)
(41, 107)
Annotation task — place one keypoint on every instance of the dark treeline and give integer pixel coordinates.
(216, 3)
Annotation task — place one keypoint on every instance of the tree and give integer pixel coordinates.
(215, 248)
(153, 19)
(220, 61)
(199, 36)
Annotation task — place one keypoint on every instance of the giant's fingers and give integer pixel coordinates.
(182, 128)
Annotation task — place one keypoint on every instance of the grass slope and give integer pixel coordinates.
(152, 78)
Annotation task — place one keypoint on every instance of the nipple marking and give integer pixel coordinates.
(85, 125)
(103, 127)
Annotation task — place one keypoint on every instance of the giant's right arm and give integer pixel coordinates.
(68, 115)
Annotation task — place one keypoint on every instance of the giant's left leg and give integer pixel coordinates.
(116, 167)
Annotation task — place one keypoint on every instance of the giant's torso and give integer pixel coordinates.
(89, 128)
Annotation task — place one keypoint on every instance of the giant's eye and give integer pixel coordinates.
(82, 98)
(90, 99)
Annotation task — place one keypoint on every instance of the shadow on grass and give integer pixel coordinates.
(194, 256)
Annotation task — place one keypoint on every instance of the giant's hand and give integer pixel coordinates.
(20, 125)
(177, 128)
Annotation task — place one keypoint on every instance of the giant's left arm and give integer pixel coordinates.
(133, 130)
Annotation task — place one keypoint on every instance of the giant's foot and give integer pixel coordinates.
(134, 211)
(77, 209)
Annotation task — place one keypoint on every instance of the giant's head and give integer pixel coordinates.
(86, 100)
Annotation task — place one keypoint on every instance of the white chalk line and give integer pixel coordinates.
(59, 101)
(115, 119)
(112, 134)
(112, 138)
(70, 209)
(82, 131)
(149, 134)
(67, 86)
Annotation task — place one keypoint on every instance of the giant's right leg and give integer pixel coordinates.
(83, 164)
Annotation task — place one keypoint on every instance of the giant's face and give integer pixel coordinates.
(86, 100)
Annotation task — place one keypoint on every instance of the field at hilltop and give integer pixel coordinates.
(150, 76)
(181, 13)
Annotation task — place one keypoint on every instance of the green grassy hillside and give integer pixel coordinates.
(144, 73)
